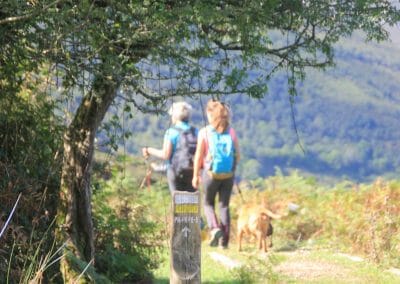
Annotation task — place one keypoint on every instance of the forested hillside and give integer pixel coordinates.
(346, 118)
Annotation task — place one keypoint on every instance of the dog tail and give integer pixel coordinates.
(271, 214)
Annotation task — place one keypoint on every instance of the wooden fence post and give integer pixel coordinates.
(185, 238)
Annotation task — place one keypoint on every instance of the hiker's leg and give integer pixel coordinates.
(210, 188)
(171, 180)
(225, 192)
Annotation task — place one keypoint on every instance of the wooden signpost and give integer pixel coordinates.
(185, 239)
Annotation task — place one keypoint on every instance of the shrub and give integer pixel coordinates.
(127, 242)
(30, 164)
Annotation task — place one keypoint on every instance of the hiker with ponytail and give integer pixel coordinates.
(215, 161)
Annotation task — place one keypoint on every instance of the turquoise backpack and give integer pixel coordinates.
(222, 150)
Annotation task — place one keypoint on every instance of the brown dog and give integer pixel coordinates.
(255, 220)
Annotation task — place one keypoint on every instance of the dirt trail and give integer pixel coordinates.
(300, 266)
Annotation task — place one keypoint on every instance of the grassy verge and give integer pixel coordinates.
(307, 265)
(317, 222)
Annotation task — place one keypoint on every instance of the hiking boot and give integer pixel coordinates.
(215, 235)
(222, 244)
(223, 247)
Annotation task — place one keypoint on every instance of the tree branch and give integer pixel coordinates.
(28, 16)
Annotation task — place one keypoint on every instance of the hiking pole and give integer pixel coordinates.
(146, 179)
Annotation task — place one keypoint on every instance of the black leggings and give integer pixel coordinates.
(223, 188)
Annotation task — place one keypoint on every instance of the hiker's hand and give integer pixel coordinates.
(196, 181)
(145, 152)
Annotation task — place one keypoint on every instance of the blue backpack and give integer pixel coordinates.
(222, 151)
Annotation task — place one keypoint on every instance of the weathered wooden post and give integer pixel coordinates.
(185, 239)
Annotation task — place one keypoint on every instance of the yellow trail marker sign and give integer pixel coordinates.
(185, 239)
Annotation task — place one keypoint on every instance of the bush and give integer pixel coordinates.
(127, 241)
(30, 164)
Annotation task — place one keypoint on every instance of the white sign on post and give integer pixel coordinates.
(186, 238)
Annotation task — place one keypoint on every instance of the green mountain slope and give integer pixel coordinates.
(347, 119)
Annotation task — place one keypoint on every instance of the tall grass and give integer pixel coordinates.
(35, 263)
(10, 216)
(362, 219)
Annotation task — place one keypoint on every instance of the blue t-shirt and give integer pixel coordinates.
(172, 135)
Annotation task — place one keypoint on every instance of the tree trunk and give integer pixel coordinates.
(74, 216)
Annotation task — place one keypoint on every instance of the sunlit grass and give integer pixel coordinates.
(354, 219)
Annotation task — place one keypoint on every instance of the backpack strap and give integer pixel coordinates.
(193, 130)
(180, 130)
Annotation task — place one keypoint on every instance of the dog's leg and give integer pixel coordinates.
(260, 240)
(239, 237)
(270, 231)
(265, 244)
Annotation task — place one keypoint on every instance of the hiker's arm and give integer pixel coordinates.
(164, 153)
(237, 151)
(198, 159)
(237, 148)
